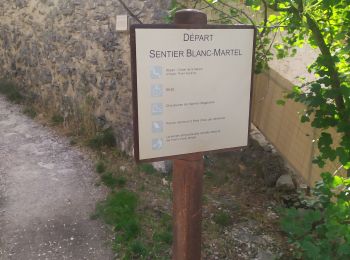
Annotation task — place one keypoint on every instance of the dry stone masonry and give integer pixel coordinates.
(67, 55)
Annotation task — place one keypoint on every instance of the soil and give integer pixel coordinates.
(48, 190)
(47, 194)
(240, 219)
(237, 184)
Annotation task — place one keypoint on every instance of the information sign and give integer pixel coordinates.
(191, 88)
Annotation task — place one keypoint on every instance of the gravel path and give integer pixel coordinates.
(47, 194)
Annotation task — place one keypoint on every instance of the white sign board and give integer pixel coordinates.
(193, 89)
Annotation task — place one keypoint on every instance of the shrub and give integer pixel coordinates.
(109, 180)
(29, 111)
(147, 168)
(119, 210)
(222, 219)
(321, 230)
(10, 90)
(105, 138)
(57, 119)
(120, 181)
(137, 249)
(100, 167)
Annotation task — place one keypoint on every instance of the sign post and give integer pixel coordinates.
(191, 95)
(188, 184)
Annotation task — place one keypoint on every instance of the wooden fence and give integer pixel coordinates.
(282, 127)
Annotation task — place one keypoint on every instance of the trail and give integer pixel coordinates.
(47, 194)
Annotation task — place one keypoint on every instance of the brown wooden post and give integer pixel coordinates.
(188, 183)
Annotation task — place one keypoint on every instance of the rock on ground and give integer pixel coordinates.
(285, 183)
(47, 195)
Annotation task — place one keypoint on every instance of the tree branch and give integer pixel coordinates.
(222, 12)
(275, 8)
(195, 4)
(130, 12)
(265, 18)
(239, 10)
(333, 73)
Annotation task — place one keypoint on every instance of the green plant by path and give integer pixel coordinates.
(147, 168)
(104, 138)
(30, 111)
(9, 89)
(57, 119)
(100, 167)
(109, 180)
(120, 210)
(321, 229)
(222, 218)
(120, 181)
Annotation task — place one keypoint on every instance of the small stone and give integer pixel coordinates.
(264, 255)
(163, 166)
(165, 182)
(285, 183)
(272, 169)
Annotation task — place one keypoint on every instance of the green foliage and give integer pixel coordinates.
(10, 91)
(29, 111)
(147, 168)
(321, 230)
(108, 179)
(209, 174)
(174, 6)
(131, 242)
(164, 234)
(104, 138)
(120, 181)
(321, 24)
(73, 141)
(163, 237)
(281, 102)
(100, 167)
(119, 210)
(222, 218)
(57, 119)
(137, 249)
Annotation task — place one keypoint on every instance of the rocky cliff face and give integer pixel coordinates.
(68, 56)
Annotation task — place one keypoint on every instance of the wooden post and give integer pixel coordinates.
(188, 182)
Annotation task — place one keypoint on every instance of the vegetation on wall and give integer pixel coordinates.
(321, 230)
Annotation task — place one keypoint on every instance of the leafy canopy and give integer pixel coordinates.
(324, 25)
(321, 230)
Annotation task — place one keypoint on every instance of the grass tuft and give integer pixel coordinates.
(138, 249)
(57, 119)
(105, 138)
(119, 210)
(147, 168)
(165, 237)
(223, 219)
(109, 180)
(121, 181)
(30, 112)
(100, 167)
(10, 91)
(164, 234)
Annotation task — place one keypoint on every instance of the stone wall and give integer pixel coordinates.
(67, 55)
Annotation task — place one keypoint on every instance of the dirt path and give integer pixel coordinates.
(47, 194)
